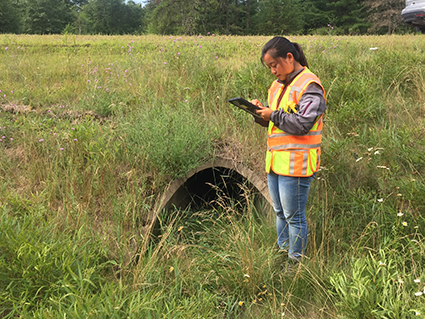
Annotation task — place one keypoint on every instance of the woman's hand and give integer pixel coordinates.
(265, 112)
(264, 121)
(257, 103)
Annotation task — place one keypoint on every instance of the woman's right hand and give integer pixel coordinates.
(261, 121)
(257, 103)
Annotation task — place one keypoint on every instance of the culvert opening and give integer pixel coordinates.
(212, 187)
(217, 185)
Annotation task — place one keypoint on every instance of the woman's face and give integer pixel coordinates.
(280, 67)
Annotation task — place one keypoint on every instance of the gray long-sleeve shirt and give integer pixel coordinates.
(311, 105)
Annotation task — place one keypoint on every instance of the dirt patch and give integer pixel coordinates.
(68, 114)
(16, 154)
(13, 108)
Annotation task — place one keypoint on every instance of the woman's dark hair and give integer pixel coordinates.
(279, 47)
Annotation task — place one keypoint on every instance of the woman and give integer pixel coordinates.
(296, 102)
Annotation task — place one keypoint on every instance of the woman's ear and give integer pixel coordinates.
(289, 57)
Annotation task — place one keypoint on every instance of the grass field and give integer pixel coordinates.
(93, 128)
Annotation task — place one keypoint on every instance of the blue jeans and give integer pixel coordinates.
(289, 196)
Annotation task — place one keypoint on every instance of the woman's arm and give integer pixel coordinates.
(311, 105)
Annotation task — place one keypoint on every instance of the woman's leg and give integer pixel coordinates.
(281, 225)
(289, 198)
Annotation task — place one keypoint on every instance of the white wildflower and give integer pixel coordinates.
(376, 153)
(380, 200)
(382, 264)
(383, 167)
(419, 293)
(400, 214)
(373, 49)
(359, 159)
(404, 224)
(246, 275)
(369, 149)
(417, 280)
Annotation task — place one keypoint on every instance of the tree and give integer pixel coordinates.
(279, 17)
(240, 12)
(268, 17)
(113, 16)
(78, 3)
(248, 15)
(133, 15)
(348, 14)
(384, 14)
(9, 17)
(210, 16)
(316, 15)
(46, 16)
(200, 16)
(225, 16)
(173, 16)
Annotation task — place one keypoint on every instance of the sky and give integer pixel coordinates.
(138, 1)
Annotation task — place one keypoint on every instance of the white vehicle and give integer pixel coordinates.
(414, 14)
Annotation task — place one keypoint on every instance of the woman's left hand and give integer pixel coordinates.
(265, 113)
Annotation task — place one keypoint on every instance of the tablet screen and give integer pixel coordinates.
(246, 106)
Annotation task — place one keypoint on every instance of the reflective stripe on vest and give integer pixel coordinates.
(273, 91)
(288, 154)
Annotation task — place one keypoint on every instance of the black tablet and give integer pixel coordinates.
(246, 106)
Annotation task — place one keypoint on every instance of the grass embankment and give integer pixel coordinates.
(92, 129)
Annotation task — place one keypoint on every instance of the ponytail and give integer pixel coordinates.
(280, 47)
(302, 59)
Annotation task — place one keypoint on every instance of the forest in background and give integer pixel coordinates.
(193, 17)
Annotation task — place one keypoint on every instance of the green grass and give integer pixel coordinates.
(95, 128)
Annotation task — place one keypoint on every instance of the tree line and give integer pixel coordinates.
(191, 17)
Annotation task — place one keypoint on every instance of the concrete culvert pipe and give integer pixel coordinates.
(201, 187)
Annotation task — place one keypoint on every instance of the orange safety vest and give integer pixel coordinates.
(287, 154)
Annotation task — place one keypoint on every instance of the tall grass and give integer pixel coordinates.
(93, 128)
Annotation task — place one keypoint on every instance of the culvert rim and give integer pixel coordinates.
(217, 162)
